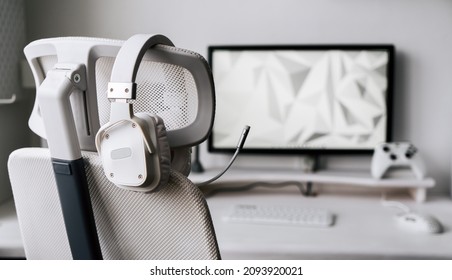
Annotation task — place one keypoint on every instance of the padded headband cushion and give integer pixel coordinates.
(131, 53)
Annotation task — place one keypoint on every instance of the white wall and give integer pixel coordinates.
(420, 29)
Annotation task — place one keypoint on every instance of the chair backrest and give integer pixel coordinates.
(172, 223)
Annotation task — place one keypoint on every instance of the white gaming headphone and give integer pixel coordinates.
(136, 148)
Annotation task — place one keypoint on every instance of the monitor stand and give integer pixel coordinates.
(246, 176)
(196, 165)
(312, 166)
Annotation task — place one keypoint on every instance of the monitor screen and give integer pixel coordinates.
(302, 99)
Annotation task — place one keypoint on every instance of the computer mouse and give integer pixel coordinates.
(419, 223)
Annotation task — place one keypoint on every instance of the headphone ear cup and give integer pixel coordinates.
(135, 153)
(162, 145)
(179, 159)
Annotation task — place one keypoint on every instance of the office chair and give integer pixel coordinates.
(72, 104)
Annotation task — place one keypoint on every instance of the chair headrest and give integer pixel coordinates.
(180, 83)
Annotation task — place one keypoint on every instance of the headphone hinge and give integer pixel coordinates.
(126, 91)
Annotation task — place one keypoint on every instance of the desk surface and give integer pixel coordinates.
(364, 229)
(11, 245)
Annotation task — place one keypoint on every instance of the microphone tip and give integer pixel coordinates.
(242, 139)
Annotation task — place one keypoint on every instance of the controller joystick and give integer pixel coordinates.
(397, 154)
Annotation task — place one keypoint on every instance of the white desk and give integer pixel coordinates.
(11, 245)
(364, 229)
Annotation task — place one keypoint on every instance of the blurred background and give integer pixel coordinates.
(420, 31)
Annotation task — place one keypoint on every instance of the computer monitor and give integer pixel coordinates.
(304, 99)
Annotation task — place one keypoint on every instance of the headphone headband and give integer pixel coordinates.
(130, 55)
(124, 72)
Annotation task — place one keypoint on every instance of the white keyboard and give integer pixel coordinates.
(280, 215)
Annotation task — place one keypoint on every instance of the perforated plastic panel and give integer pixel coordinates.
(163, 89)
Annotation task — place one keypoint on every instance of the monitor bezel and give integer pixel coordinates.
(390, 48)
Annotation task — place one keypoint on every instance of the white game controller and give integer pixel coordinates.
(397, 154)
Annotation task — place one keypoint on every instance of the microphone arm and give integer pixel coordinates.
(240, 144)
